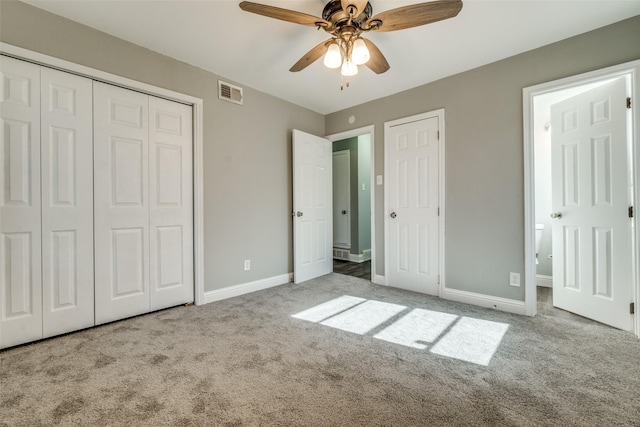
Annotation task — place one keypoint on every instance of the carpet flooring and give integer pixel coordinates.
(247, 361)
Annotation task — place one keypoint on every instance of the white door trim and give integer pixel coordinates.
(630, 70)
(366, 130)
(441, 187)
(196, 103)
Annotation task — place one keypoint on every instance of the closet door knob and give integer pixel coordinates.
(393, 215)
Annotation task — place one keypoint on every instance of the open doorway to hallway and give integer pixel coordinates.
(352, 203)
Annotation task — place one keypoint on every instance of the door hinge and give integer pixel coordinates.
(630, 211)
(438, 211)
(628, 102)
(632, 308)
(438, 279)
(438, 135)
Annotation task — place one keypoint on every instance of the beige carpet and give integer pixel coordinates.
(247, 361)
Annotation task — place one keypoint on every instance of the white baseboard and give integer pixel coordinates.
(544, 281)
(378, 280)
(246, 288)
(497, 303)
(364, 256)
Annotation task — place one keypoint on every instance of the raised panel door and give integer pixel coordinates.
(312, 202)
(171, 203)
(411, 157)
(20, 213)
(121, 202)
(67, 202)
(592, 271)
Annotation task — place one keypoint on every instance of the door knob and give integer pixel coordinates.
(556, 215)
(393, 215)
(299, 214)
(344, 212)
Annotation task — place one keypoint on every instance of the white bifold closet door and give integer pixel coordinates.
(170, 203)
(46, 219)
(20, 248)
(143, 206)
(67, 202)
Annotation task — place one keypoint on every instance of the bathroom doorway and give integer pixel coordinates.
(546, 201)
(353, 200)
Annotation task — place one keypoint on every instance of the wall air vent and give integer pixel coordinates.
(229, 92)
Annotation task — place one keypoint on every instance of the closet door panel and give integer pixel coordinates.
(67, 202)
(20, 230)
(171, 203)
(121, 203)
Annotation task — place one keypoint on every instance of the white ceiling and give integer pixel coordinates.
(257, 51)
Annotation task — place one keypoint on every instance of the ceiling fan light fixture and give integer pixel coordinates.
(360, 54)
(349, 68)
(333, 57)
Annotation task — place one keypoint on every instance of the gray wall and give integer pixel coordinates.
(247, 149)
(484, 150)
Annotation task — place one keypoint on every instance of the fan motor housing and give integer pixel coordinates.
(334, 13)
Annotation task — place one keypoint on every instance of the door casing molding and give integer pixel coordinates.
(195, 103)
(630, 71)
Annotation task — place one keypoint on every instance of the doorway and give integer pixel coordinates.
(546, 231)
(353, 234)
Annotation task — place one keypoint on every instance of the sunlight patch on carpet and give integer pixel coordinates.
(471, 340)
(329, 308)
(463, 338)
(364, 317)
(417, 328)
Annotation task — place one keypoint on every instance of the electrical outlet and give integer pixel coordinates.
(247, 264)
(514, 279)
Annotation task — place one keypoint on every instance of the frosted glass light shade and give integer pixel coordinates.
(360, 54)
(349, 68)
(333, 57)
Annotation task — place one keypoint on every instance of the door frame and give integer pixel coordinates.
(441, 189)
(195, 103)
(630, 71)
(366, 130)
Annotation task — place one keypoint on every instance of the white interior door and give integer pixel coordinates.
(411, 199)
(121, 202)
(590, 198)
(312, 200)
(342, 199)
(171, 203)
(20, 209)
(67, 202)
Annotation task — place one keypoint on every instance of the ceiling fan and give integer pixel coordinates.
(346, 20)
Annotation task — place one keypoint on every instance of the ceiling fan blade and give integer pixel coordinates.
(416, 15)
(311, 56)
(283, 14)
(358, 4)
(377, 62)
